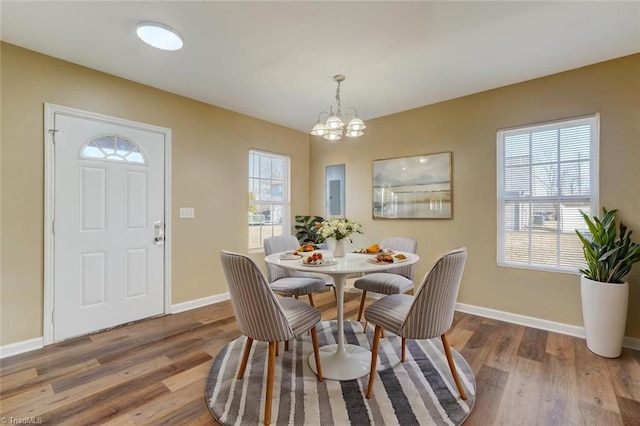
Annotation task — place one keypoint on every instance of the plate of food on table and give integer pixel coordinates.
(291, 255)
(307, 247)
(316, 259)
(385, 259)
(374, 249)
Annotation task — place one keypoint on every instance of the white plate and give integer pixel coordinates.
(290, 256)
(328, 262)
(377, 253)
(376, 262)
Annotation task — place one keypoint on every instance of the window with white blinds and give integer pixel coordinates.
(269, 206)
(546, 174)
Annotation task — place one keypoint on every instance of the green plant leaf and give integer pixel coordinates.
(609, 256)
(307, 232)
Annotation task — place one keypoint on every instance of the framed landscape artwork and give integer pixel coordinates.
(413, 187)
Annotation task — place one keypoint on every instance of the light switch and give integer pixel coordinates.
(187, 213)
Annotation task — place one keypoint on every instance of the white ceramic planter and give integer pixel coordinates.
(604, 312)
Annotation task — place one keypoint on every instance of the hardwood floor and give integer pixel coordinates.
(153, 372)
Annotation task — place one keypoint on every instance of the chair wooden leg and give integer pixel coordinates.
(374, 360)
(271, 366)
(277, 348)
(452, 366)
(404, 349)
(296, 297)
(245, 358)
(316, 352)
(286, 345)
(311, 300)
(382, 333)
(361, 309)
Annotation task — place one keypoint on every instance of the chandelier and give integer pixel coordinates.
(334, 127)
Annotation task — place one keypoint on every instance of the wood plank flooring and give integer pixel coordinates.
(153, 372)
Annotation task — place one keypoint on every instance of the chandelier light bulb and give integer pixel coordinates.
(334, 122)
(356, 124)
(319, 129)
(333, 135)
(354, 133)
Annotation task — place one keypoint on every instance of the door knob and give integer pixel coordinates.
(158, 232)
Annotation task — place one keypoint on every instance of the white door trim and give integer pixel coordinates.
(49, 196)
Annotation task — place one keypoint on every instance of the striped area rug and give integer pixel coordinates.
(419, 391)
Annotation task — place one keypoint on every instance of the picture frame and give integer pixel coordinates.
(418, 187)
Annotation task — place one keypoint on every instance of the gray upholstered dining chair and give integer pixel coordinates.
(264, 317)
(287, 282)
(392, 281)
(426, 315)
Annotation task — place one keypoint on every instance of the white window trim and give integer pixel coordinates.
(286, 216)
(593, 196)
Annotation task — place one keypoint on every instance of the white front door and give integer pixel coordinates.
(108, 195)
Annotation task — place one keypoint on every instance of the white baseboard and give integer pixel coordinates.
(21, 347)
(631, 343)
(571, 330)
(199, 303)
(542, 324)
(38, 342)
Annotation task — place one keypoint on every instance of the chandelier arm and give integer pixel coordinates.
(323, 112)
(346, 114)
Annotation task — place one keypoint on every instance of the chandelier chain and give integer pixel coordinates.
(338, 99)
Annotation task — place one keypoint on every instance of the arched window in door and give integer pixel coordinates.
(113, 148)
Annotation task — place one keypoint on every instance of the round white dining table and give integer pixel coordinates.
(341, 361)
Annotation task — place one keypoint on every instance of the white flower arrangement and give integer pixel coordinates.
(339, 228)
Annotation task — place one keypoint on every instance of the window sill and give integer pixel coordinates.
(570, 271)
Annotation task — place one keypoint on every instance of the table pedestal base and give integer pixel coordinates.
(351, 363)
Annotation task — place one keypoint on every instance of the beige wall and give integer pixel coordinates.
(467, 126)
(209, 173)
(210, 143)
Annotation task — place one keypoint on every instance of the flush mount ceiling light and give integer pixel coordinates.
(332, 129)
(159, 35)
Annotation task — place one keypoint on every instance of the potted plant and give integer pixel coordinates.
(604, 294)
(308, 229)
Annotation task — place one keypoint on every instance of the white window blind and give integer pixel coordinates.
(268, 197)
(546, 174)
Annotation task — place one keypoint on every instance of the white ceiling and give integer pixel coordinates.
(275, 60)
